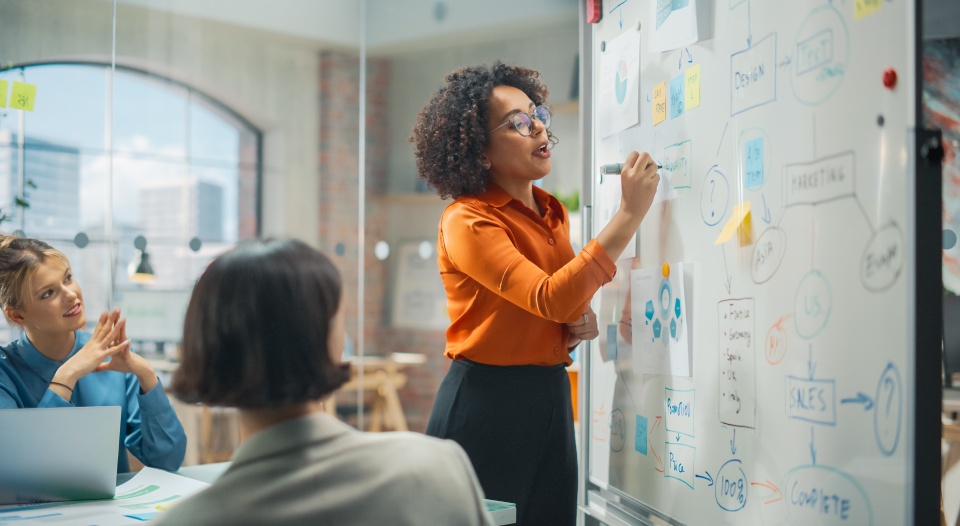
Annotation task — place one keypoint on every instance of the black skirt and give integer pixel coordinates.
(516, 425)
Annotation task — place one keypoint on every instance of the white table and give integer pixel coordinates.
(502, 512)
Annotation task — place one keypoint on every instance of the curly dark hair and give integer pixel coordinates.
(451, 130)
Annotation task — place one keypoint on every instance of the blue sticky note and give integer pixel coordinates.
(640, 437)
(611, 343)
(676, 96)
(753, 162)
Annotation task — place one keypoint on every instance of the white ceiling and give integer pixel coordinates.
(388, 22)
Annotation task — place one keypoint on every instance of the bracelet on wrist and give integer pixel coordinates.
(65, 386)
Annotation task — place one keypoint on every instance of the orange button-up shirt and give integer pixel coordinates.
(512, 279)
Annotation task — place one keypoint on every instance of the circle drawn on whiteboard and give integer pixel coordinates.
(714, 196)
(732, 486)
(822, 51)
(888, 410)
(620, 82)
(618, 433)
(812, 305)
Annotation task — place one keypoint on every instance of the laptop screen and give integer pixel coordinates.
(56, 454)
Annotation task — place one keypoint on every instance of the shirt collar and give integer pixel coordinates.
(40, 364)
(497, 197)
(292, 434)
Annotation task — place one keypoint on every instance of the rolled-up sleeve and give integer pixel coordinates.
(485, 249)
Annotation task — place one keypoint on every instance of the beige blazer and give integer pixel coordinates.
(316, 470)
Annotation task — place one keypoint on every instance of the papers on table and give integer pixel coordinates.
(137, 500)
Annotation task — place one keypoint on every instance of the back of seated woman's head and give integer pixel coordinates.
(259, 329)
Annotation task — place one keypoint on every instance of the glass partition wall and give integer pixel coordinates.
(162, 132)
(409, 48)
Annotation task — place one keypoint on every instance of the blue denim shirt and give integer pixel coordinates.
(149, 427)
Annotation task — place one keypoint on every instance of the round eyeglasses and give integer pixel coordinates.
(523, 122)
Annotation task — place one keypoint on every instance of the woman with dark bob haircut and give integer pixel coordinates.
(517, 295)
(263, 333)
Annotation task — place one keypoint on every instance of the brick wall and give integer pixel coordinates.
(339, 167)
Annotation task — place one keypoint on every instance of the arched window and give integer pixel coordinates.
(96, 165)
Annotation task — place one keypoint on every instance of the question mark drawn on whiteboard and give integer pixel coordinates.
(888, 383)
(887, 424)
(714, 202)
(713, 187)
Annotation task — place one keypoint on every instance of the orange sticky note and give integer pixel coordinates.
(659, 103)
(692, 89)
(739, 222)
(23, 96)
(3, 94)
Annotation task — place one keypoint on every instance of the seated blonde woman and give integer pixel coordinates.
(263, 333)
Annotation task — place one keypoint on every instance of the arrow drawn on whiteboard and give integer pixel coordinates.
(811, 365)
(766, 210)
(708, 478)
(771, 486)
(656, 423)
(621, 19)
(864, 212)
(813, 450)
(725, 272)
(689, 58)
(678, 437)
(860, 399)
(722, 135)
(785, 63)
(656, 456)
(733, 442)
(614, 8)
(749, 27)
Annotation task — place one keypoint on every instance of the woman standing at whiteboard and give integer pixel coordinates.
(517, 295)
(58, 364)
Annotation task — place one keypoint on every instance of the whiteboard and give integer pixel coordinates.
(786, 205)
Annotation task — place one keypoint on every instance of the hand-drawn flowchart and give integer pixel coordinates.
(771, 184)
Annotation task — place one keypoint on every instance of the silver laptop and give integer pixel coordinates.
(56, 454)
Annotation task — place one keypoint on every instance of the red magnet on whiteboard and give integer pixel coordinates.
(593, 11)
(889, 78)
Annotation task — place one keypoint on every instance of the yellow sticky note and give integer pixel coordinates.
(741, 216)
(3, 94)
(692, 89)
(659, 103)
(862, 8)
(23, 96)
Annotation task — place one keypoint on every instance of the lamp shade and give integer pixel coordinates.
(144, 271)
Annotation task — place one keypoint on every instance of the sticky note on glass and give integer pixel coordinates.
(640, 435)
(676, 96)
(611, 353)
(659, 103)
(23, 96)
(692, 89)
(740, 222)
(753, 163)
(862, 8)
(3, 93)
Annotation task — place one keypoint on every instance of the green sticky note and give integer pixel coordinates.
(23, 96)
(3, 93)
